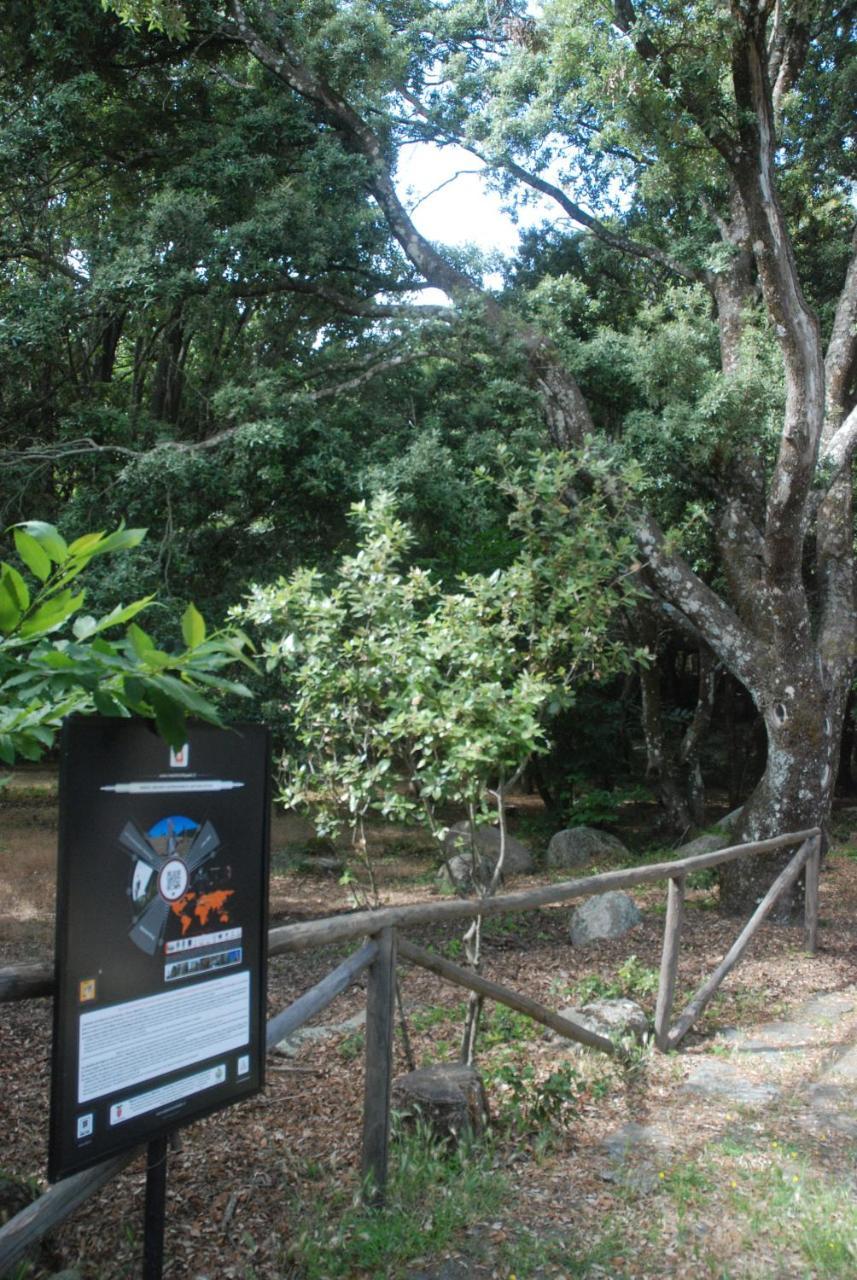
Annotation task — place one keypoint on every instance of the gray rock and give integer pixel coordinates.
(710, 842)
(609, 1018)
(650, 1138)
(289, 1047)
(723, 1080)
(448, 1096)
(770, 1037)
(730, 822)
(576, 846)
(844, 1070)
(608, 915)
(828, 1007)
(458, 870)
(458, 873)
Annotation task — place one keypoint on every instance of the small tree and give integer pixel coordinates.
(47, 673)
(407, 699)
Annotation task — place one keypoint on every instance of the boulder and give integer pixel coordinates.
(709, 842)
(576, 846)
(458, 873)
(608, 915)
(458, 870)
(449, 1097)
(610, 1018)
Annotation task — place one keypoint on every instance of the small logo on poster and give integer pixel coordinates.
(84, 1126)
(87, 990)
(180, 757)
(243, 1065)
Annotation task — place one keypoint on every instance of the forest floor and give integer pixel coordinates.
(734, 1158)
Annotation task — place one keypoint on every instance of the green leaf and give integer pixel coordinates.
(120, 540)
(193, 627)
(84, 545)
(48, 538)
(184, 695)
(169, 718)
(17, 587)
(10, 613)
(34, 557)
(123, 613)
(107, 704)
(52, 614)
(141, 642)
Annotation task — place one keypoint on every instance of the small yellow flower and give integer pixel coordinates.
(662, 1174)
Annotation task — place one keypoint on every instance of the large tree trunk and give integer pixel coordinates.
(795, 789)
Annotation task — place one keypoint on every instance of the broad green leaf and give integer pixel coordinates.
(52, 614)
(193, 627)
(184, 695)
(10, 612)
(49, 538)
(16, 586)
(84, 545)
(141, 642)
(107, 704)
(169, 718)
(123, 613)
(34, 557)
(121, 540)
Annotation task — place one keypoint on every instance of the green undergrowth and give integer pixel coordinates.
(433, 1194)
(632, 980)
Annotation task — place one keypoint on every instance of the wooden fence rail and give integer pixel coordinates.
(378, 955)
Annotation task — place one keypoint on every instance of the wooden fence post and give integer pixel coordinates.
(669, 961)
(784, 881)
(380, 1005)
(811, 901)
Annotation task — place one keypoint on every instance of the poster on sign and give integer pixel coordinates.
(159, 1016)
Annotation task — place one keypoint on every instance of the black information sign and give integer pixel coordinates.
(159, 1015)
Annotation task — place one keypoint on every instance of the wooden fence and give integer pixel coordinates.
(378, 955)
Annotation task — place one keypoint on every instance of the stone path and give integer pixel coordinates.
(807, 1063)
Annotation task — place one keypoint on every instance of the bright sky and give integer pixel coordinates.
(463, 211)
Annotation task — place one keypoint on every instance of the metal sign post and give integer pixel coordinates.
(155, 1212)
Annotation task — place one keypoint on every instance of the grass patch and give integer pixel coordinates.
(532, 1255)
(432, 1195)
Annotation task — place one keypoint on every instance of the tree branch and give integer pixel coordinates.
(85, 445)
(569, 419)
(576, 212)
(795, 324)
(694, 102)
(841, 356)
(839, 450)
(732, 642)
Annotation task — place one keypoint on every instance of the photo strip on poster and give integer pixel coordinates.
(161, 919)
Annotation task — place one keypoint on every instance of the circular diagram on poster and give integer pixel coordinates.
(177, 890)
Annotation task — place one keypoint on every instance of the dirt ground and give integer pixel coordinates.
(247, 1180)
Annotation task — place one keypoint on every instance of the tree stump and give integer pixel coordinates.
(448, 1097)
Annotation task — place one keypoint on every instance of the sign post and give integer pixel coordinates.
(161, 928)
(155, 1211)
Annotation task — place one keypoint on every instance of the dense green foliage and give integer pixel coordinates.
(406, 698)
(208, 284)
(47, 674)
